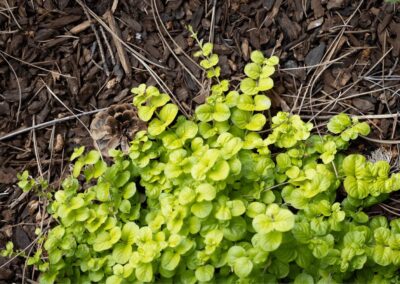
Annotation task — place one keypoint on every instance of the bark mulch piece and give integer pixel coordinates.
(61, 57)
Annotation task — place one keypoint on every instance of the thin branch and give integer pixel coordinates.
(49, 123)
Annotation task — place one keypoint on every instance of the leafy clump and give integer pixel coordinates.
(211, 199)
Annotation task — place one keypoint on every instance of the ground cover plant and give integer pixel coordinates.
(211, 199)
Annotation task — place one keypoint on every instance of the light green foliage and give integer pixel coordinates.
(8, 251)
(364, 178)
(287, 130)
(211, 200)
(349, 129)
(27, 183)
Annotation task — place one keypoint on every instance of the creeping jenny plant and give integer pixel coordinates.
(210, 199)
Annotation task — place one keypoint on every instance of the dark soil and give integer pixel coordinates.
(57, 60)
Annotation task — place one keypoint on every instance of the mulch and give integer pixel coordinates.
(63, 58)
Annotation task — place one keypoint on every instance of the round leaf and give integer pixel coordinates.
(205, 273)
(252, 70)
(242, 267)
(202, 209)
(257, 57)
(267, 242)
(206, 192)
(263, 224)
(248, 86)
(221, 112)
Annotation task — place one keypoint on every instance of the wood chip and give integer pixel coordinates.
(315, 24)
(122, 55)
(363, 104)
(315, 55)
(316, 6)
(80, 28)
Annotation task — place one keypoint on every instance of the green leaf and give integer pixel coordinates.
(263, 224)
(105, 240)
(77, 153)
(232, 98)
(267, 71)
(187, 130)
(248, 86)
(204, 112)
(382, 255)
(303, 278)
(168, 113)
(170, 260)
(230, 145)
(256, 122)
(293, 172)
(382, 236)
(283, 161)
(267, 242)
(273, 60)
(257, 57)
(207, 49)
(103, 191)
(76, 202)
(242, 267)
(252, 70)
(236, 230)
(246, 103)
(92, 157)
(220, 171)
(201, 209)
(204, 273)
(214, 72)
(362, 128)
(122, 253)
(356, 188)
(78, 167)
(144, 272)
(221, 112)
(122, 178)
(338, 123)
(261, 102)
(234, 253)
(48, 277)
(237, 207)
(284, 220)
(255, 208)
(209, 62)
(265, 84)
(129, 190)
(114, 279)
(205, 191)
(145, 113)
(129, 232)
(241, 118)
(125, 206)
(187, 196)
(156, 127)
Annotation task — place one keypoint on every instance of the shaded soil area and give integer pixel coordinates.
(61, 59)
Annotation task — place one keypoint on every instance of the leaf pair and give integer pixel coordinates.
(239, 261)
(246, 120)
(274, 219)
(256, 103)
(348, 128)
(165, 117)
(209, 166)
(218, 112)
(176, 138)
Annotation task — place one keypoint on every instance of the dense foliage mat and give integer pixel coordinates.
(211, 199)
